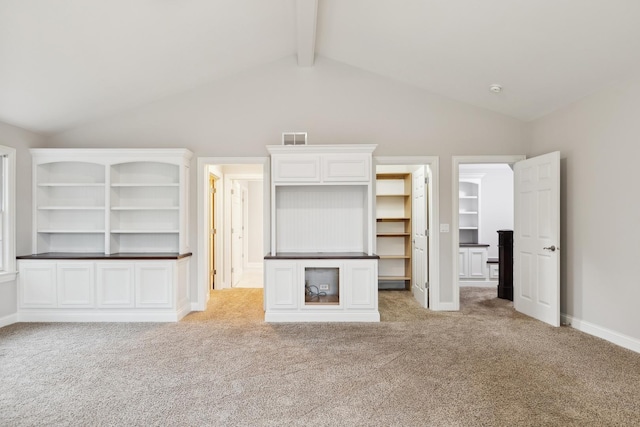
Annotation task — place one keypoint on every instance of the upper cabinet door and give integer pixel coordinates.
(346, 168)
(296, 168)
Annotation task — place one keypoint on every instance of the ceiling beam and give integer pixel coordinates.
(306, 17)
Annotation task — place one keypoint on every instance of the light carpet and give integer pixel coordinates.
(483, 366)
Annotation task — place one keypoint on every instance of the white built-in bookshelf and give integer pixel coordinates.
(109, 236)
(110, 201)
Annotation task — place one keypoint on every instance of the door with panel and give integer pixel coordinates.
(537, 238)
(419, 237)
(237, 243)
(212, 229)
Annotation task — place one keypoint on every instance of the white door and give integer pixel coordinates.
(419, 238)
(236, 233)
(536, 274)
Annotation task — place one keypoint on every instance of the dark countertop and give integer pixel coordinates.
(102, 256)
(321, 255)
(474, 245)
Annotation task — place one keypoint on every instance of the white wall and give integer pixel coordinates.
(496, 202)
(333, 102)
(21, 140)
(598, 138)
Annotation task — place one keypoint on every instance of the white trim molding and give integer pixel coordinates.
(8, 276)
(9, 218)
(8, 320)
(614, 337)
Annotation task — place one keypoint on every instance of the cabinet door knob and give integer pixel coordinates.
(551, 248)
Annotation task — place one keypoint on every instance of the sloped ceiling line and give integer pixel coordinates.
(306, 16)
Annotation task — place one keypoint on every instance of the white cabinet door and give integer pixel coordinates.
(346, 168)
(281, 285)
(463, 263)
(362, 284)
(477, 263)
(115, 284)
(76, 282)
(154, 284)
(37, 284)
(296, 168)
(494, 271)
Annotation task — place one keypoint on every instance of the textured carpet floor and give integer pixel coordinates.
(483, 366)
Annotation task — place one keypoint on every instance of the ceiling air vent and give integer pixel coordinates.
(294, 138)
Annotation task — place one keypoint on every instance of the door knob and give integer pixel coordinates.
(551, 248)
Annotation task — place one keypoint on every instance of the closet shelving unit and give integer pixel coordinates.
(393, 229)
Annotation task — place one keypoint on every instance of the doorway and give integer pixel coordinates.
(478, 184)
(406, 213)
(234, 218)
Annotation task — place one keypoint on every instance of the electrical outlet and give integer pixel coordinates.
(323, 287)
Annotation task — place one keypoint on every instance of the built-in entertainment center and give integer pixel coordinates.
(321, 265)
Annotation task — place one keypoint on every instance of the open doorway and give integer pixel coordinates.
(406, 212)
(232, 222)
(483, 211)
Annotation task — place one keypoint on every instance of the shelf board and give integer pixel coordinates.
(145, 184)
(468, 213)
(144, 208)
(393, 278)
(395, 256)
(133, 231)
(391, 175)
(71, 208)
(322, 300)
(468, 197)
(392, 219)
(71, 184)
(393, 195)
(393, 234)
(68, 231)
(468, 228)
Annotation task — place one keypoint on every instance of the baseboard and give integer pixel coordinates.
(275, 317)
(617, 338)
(183, 310)
(478, 283)
(93, 316)
(444, 306)
(196, 306)
(8, 320)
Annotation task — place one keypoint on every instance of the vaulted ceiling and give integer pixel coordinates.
(65, 62)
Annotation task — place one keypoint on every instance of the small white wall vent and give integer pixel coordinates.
(294, 138)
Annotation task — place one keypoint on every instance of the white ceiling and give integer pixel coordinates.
(64, 62)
